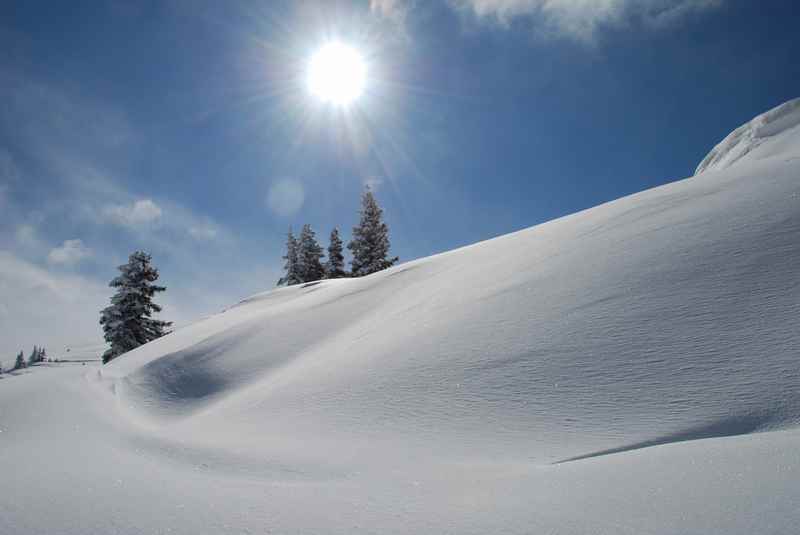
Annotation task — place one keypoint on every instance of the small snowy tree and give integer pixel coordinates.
(20, 362)
(370, 243)
(128, 322)
(309, 256)
(334, 267)
(291, 275)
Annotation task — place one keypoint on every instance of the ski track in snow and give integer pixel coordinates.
(632, 368)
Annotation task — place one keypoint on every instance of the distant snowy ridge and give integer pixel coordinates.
(781, 121)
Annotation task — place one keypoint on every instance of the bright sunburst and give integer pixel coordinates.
(336, 74)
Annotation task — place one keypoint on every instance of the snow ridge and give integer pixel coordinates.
(750, 136)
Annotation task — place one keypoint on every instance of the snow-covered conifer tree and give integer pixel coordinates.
(33, 358)
(291, 275)
(334, 267)
(20, 362)
(309, 256)
(370, 243)
(128, 322)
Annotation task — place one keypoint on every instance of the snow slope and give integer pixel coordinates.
(632, 368)
(776, 132)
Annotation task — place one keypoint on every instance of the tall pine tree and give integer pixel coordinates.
(334, 267)
(128, 322)
(309, 256)
(291, 275)
(370, 243)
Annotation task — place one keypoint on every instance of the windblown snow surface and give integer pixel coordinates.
(629, 369)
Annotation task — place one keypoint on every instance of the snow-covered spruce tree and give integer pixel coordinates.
(334, 267)
(291, 275)
(33, 358)
(309, 256)
(128, 322)
(370, 243)
(20, 362)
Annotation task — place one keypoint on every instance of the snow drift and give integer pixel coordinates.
(580, 375)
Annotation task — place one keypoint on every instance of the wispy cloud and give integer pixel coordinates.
(580, 19)
(63, 132)
(69, 253)
(43, 113)
(140, 212)
(98, 198)
(575, 19)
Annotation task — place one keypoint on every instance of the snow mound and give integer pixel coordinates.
(777, 127)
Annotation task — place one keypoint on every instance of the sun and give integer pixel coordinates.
(336, 74)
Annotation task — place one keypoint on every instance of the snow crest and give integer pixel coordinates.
(747, 138)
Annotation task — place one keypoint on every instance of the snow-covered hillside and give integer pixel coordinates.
(632, 368)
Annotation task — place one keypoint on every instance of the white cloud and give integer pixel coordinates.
(69, 253)
(141, 212)
(97, 198)
(286, 197)
(580, 19)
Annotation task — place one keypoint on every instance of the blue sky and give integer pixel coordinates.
(185, 128)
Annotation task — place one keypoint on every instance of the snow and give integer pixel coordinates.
(759, 139)
(629, 369)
